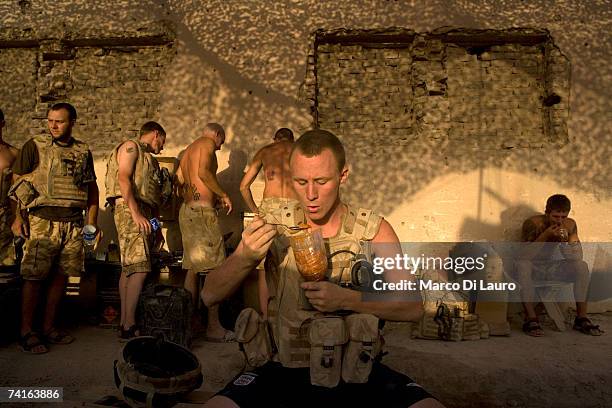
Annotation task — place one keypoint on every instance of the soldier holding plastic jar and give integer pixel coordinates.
(550, 232)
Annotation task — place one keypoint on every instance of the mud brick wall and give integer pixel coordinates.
(18, 77)
(484, 90)
(113, 83)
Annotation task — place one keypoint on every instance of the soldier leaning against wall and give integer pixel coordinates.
(54, 182)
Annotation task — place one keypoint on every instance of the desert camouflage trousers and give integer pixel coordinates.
(52, 244)
(135, 246)
(7, 249)
(203, 246)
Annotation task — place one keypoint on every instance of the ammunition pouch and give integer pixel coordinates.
(23, 192)
(363, 348)
(326, 335)
(166, 185)
(83, 173)
(253, 337)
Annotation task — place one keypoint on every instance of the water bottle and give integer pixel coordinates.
(89, 240)
(155, 225)
(89, 236)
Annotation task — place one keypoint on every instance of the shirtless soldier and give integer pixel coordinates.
(203, 247)
(274, 158)
(279, 196)
(553, 229)
(7, 157)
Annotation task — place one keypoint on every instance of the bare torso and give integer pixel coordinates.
(536, 225)
(275, 160)
(7, 155)
(200, 153)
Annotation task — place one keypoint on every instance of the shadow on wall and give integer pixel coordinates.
(508, 229)
(229, 179)
(241, 64)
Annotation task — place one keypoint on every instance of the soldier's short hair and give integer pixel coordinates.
(72, 113)
(284, 134)
(152, 127)
(558, 202)
(215, 128)
(313, 142)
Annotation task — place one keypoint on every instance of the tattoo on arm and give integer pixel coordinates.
(130, 150)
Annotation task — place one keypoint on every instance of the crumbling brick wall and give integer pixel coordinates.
(114, 83)
(466, 89)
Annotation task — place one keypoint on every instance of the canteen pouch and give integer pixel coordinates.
(327, 336)
(23, 192)
(362, 349)
(253, 337)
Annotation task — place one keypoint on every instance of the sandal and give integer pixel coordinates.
(584, 325)
(532, 327)
(32, 343)
(55, 336)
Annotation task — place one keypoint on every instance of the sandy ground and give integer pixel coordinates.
(562, 369)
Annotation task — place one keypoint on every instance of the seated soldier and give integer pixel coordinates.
(557, 257)
(308, 360)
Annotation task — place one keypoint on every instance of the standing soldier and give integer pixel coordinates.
(54, 182)
(7, 157)
(203, 247)
(279, 197)
(274, 159)
(134, 190)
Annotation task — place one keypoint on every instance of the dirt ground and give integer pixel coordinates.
(562, 369)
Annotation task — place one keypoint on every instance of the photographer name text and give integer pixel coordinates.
(408, 285)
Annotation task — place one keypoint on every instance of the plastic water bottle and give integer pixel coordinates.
(155, 225)
(89, 236)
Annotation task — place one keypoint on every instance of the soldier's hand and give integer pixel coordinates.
(226, 203)
(20, 228)
(325, 296)
(552, 232)
(257, 238)
(143, 224)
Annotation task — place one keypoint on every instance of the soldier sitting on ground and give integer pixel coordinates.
(553, 233)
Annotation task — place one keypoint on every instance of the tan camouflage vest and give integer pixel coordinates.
(53, 178)
(285, 312)
(6, 179)
(146, 182)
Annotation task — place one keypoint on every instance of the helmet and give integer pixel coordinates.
(152, 372)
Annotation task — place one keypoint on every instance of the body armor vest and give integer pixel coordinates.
(6, 179)
(285, 312)
(146, 180)
(54, 178)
